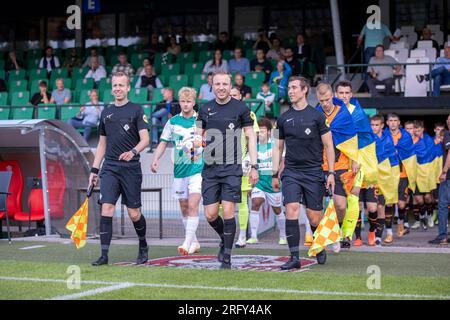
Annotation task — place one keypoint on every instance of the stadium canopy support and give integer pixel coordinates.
(53, 156)
(337, 34)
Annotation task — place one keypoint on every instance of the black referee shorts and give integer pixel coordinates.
(368, 195)
(306, 187)
(124, 180)
(216, 189)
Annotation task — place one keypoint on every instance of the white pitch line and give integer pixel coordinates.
(32, 247)
(94, 292)
(237, 289)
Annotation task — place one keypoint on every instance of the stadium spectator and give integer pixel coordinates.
(174, 48)
(123, 65)
(149, 80)
(261, 64)
(94, 53)
(280, 77)
(277, 52)
(217, 64)
(60, 95)
(444, 191)
(295, 65)
(239, 63)
(426, 36)
(303, 51)
(96, 72)
(441, 72)
(262, 43)
(164, 110)
(89, 115)
(12, 63)
(206, 90)
(236, 93)
(239, 82)
(154, 47)
(381, 75)
(372, 38)
(73, 60)
(49, 61)
(42, 96)
(141, 70)
(266, 95)
(224, 42)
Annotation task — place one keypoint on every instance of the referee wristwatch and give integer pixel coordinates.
(134, 151)
(332, 172)
(255, 166)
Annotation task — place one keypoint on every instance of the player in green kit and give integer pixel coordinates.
(263, 190)
(188, 165)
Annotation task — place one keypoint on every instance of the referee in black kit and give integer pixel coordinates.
(123, 135)
(305, 132)
(221, 122)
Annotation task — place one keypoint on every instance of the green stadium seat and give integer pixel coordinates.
(2, 64)
(255, 79)
(35, 54)
(4, 112)
(247, 44)
(83, 96)
(199, 79)
(17, 75)
(204, 56)
(148, 109)
(69, 111)
(157, 95)
(112, 52)
(289, 42)
(137, 59)
(105, 83)
(164, 79)
(33, 63)
(46, 111)
(275, 105)
(109, 69)
(176, 82)
(84, 84)
(3, 98)
(185, 57)
(134, 48)
(200, 46)
(250, 54)
(2, 74)
(228, 55)
(22, 113)
(170, 69)
(106, 96)
(59, 73)
(139, 95)
(17, 85)
(160, 60)
(34, 74)
(79, 73)
(191, 69)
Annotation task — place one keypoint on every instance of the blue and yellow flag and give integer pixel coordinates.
(388, 172)
(406, 155)
(343, 130)
(426, 154)
(367, 155)
(438, 160)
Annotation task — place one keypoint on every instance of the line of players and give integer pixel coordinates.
(187, 177)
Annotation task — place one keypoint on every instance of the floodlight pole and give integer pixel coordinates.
(337, 34)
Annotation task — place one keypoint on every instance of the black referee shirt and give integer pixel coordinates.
(228, 119)
(302, 131)
(121, 126)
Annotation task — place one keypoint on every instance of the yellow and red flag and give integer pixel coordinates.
(328, 231)
(78, 223)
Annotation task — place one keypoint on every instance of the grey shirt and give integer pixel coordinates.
(59, 96)
(383, 72)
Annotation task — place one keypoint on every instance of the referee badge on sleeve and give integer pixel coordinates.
(144, 117)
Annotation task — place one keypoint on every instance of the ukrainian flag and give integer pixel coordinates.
(438, 160)
(426, 154)
(407, 155)
(388, 172)
(343, 130)
(367, 155)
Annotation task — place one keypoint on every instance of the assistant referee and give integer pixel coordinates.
(123, 135)
(221, 122)
(305, 132)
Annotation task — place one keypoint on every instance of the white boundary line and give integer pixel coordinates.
(94, 292)
(237, 289)
(32, 247)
